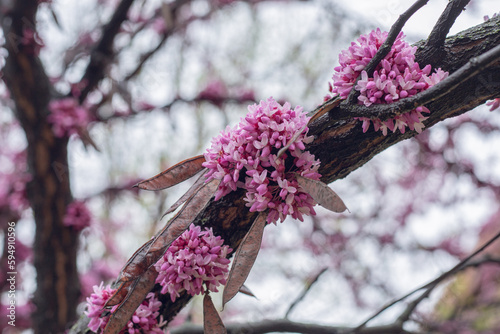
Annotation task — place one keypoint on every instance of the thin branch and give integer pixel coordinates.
(385, 111)
(431, 285)
(405, 315)
(307, 288)
(168, 33)
(436, 39)
(102, 55)
(146, 56)
(386, 47)
(168, 106)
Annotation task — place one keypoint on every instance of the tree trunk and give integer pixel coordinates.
(49, 193)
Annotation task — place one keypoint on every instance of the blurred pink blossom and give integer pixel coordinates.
(215, 92)
(158, 25)
(67, 116)
(245, 94)
(100, 270)
(77, 215)
(32, 41)
(194, 259)
(13, 181)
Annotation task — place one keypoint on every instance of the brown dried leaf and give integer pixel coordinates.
(184, 218)
(120, 294)
(151, 251)
(246, 291)
(326, 107)
(212, 323)
(138, 291)
(194, 188)
(135, 265)
(244, 258)
(174, 175)
(322, 194)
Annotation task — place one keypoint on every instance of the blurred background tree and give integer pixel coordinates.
(97, 95)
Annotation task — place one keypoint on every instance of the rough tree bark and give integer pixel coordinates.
(49, 193)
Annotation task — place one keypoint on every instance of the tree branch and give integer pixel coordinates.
(429, 287)
(307, 288)
(342, 147)
(434, 45)
(103, 54)
(385, 47)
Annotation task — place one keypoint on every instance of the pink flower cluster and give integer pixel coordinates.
(67, 116)
(397, 76)
(144, 319)
(247, 157)
(194, 259)
(77, 215)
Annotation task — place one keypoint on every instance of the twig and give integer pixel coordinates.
(307, 288)
(291, 141)
(146, 56)
(385, 111)
(431, 285)
(386, 47)
(167, 34)
(405, 315)
(436, 39)
(103, 53)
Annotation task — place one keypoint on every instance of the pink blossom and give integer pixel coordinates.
(144, 319)
(32, 41)
(245, 94)
(13, 175)
(77, 215)
(194, 262)
(215, 92)
(246, 156)
(396, 77)
(494, 104)
(67, 116)
(158, 25)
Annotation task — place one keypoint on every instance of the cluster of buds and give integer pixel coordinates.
(397, 76)
(144, 319)
(250, 156)
(194, 262)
